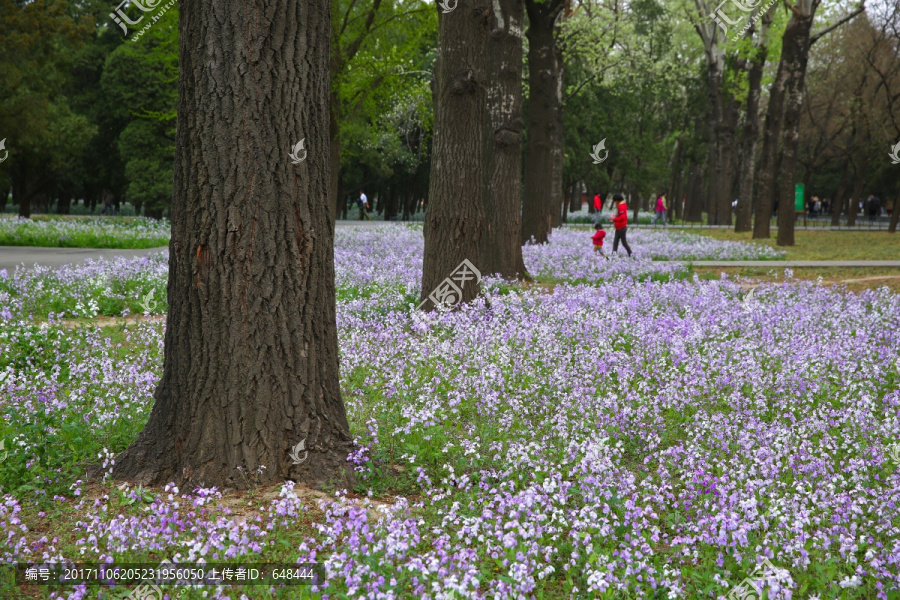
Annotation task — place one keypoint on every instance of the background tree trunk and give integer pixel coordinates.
(544, 105)
(839, 204)
(795, 54)
(574, 197)
(858, 183)
(744, 216)
(251, 357)
(765, 185)
(694, 205)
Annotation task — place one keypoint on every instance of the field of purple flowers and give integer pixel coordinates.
(632, 437)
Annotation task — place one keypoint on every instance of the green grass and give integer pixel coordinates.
(824, 245)
(84, 232)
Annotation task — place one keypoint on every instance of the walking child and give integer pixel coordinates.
(597, 238)
(620, 222)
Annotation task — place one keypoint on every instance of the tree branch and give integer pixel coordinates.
(832, 27)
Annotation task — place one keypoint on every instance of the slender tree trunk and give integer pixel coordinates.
(858, 183)
(765, 185)
(251, 356)
(334, 143)
(544, 105)
(63, 205)
(674, 175)
(895, 215)
(574, 197)
(839, 203)
(722, 125)
(23, 191)
(744, 216)
(795, 54)
(695, 196)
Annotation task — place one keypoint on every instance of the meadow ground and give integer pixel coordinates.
(823, 245)
(620, 428)
(84, 232)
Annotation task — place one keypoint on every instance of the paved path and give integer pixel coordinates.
(10, 256)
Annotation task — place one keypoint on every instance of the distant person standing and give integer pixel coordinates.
(620, 222)
(598, 207)
(873, 205)
(660, 210)
(363, 203)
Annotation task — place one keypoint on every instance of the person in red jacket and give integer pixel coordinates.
(598, 206)
(620, 222)
(660, 210)
(597, 238)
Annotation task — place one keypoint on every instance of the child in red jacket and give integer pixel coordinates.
(597, 238)
(620, 221)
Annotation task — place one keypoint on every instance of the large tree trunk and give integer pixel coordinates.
(794, 53)
(544, 105)
(251, 356)
(474, 198)
(744, 216)
(501, 250)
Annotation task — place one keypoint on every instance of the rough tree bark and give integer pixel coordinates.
(765, 185)
(501, 249)
(474, 198)
(794, 54)
(756, 65)
(251, 356)
(722, 120)
(544, 105)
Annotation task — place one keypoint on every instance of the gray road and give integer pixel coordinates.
(10, 256)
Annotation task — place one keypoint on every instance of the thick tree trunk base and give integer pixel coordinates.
(150, 463)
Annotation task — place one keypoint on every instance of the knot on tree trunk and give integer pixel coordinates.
(464, 83)
(507, 137)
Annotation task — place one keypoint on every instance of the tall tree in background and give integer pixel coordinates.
(795, 55)
(543, 146)
(474, 200)
(747, 170)
(251, 356)
(42, 131)
(723, 113)
(346, 41)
